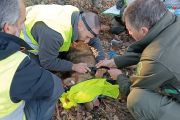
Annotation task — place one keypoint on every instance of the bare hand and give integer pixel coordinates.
(114, 73)
(100, 72)
(81, 68)
(107, 63)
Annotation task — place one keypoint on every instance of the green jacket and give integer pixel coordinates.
(158, 58)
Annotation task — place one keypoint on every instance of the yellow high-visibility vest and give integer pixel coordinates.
(8, 67)
(56, 17)
(86, 91)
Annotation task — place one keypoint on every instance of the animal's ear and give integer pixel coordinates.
(69, 81)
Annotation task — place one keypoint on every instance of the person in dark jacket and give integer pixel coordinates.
(26, 90)
(156, 51)
(49, 30)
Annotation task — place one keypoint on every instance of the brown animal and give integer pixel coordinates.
(81, 52)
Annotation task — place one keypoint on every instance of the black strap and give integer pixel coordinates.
(95, 68)
(85, 23)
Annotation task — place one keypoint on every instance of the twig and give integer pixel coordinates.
(104, 102)
(105, 112)
(57, 112)
(119, 109)
(118, 104)
(114, 100)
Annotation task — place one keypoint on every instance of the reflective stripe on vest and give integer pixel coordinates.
(17, 114)
(26, 37)
(28, 41)
(8, 67)
(56, 17)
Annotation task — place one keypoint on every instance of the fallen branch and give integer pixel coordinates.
(57, 112)
(119, 109)
(105, 112)
(122, 108)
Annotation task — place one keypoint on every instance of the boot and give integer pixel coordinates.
(117, 27)
(95, 2)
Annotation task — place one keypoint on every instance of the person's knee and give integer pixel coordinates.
(141, 104)
(116, 27)
(137, 99)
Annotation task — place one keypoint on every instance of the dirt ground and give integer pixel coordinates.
(109, 109)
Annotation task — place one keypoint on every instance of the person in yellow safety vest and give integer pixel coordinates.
(27, 92)
(50, 29)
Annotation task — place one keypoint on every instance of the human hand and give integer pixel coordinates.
(81, 68)
(114, 73)
(100, 72)
(108, 63)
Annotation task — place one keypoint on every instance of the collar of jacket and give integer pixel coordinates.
(13, 38)
(10, 44)
(140, 45)
(74, 23)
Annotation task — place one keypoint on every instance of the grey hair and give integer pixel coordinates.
(92, 20)
(144, 13)
(10, 11)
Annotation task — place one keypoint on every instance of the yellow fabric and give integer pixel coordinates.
(125, 2)
(86, 91)
(8, 68)
(31, 37)
(56, 17)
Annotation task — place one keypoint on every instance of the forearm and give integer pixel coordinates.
(31, 82)
(95, 42)
(124, 84)
(58, 87)
(56, 64)
(127, 59)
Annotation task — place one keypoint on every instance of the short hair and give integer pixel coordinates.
(92, 20)
(10, 11)
(144, 13)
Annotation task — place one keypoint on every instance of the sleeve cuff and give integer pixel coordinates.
(58, 87)
(117, 61)
(124, 84)
(121, 78)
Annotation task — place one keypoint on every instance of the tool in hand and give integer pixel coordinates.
(94, 69)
